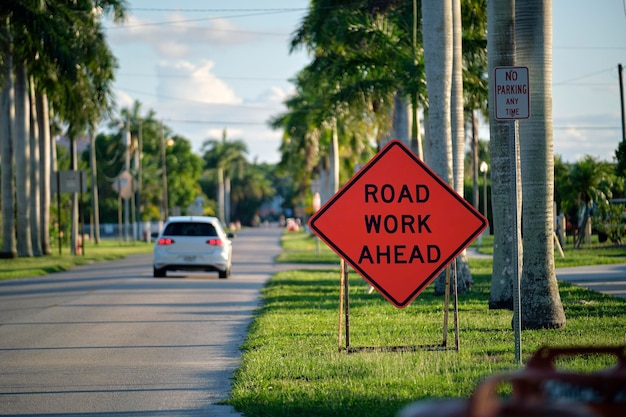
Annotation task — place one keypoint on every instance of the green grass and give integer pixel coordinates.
(303, 247)
(291, 364)
(105, 251)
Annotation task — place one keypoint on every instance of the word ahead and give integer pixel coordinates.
(397, 224)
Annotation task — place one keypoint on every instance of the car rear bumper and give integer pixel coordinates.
(190, 267)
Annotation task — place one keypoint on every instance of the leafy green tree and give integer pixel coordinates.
(184, 169)
(250, 190)
(183, 166)
(609, 221)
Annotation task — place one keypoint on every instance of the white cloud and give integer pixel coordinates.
(274, 94)
(596, 135)
(194, 82)
(123, 100)
(182, 36)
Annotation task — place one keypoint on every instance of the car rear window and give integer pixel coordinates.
(190, 229)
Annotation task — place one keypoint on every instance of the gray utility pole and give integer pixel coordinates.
(621, 98)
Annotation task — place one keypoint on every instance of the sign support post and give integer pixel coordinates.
(512, 102)
(58, 182)
(457, 338)
(517, 309)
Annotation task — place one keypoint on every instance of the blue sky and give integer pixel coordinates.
(205, 65)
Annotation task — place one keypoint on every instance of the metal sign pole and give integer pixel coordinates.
(446, 307)
(512, 102)
(58, 178)
(341, 304)
(347, 302)
(81, 210)
(457, 339)
(517, 312)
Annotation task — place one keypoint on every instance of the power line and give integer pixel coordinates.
(585, 76)
(283, 9)
(606, 48)
(204, 103)
(586, 127)
(128, 74)
(215, 122)
(204, 19)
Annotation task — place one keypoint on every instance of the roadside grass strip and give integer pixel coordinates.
(291, 364)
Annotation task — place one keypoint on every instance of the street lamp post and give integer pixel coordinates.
(127, 145)
(164, 208)
(484, 168)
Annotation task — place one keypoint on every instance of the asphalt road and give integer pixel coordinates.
(108, 339)
(607, 279)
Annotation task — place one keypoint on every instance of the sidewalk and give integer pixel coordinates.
(606, 279)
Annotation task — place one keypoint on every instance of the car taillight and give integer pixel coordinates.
(215, 242)
(164, 241)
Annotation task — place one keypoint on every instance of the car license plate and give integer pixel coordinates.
(189, 258)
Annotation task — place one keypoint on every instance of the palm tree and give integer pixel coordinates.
(227, 157)
(7, 120)
(457, 118)
(35, 173)
(366, 63)
(45, 150)
(475, 82)
(500, 15)
(300, 143)
(589, 183)
(56, 53)
(22, 160)
(540, 299)
(438, 60)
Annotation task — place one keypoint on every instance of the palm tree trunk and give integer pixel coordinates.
(226, 201)
(457, 121)
(475, 150)
(220, 194)
(500, 15)
(457, 113)
(541, 302)
(437, 30)
(74, 205)
(326, 189)
(400, 128)
(334, 158)
(22, 160)
(94, 185)
(35, 179)
(416, 139)
(46, 172)
(7, 124)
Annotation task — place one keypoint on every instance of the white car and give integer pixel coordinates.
(192, 243)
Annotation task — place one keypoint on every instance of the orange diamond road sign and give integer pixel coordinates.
(397, 223)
